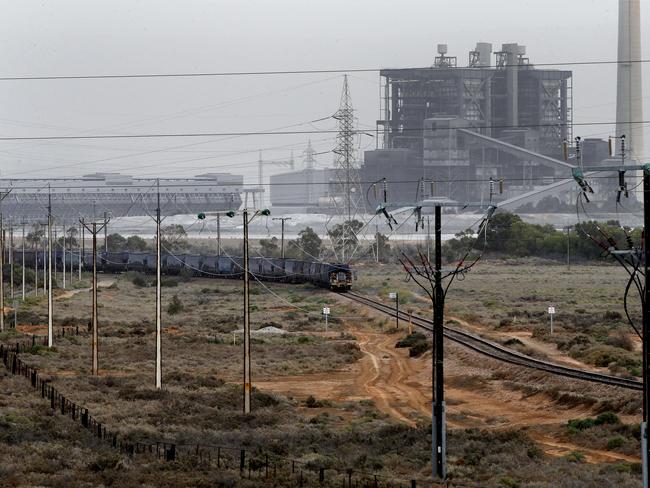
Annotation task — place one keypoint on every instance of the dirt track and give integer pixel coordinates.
(400, 386)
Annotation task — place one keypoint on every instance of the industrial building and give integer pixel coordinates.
(500, 117)
(119, 195)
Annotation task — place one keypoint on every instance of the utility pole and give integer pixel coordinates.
(63, 253)
(11, 259)
(282, 219)
(247, 324)
(643, 285)
(430, 279)
(158, 297)
(438, 433)
(2, 279)
(105, 234)
(247, 321)
(428, 238)
(94, 228)
(23, 262)
(568, 247)
(377, 243)
(80, 246)
(645, 445)
(50, 329)
(218, 234)
(36, 265)
(2, 262)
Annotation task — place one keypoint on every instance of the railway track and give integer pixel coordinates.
(499, 352)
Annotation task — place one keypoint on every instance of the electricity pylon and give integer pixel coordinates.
(345, 193)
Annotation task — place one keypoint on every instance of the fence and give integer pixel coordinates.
(251, 464)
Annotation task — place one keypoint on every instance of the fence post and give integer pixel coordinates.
(52, 398)
(242, 460)
(33, 379)
(14, 365)
(33, 340)
(321, 475)
(350, 478)
(300, 478)
(266, 466)
(62, 405)
(218, 457)
(171, 453)
(413, 484)
(84, 417)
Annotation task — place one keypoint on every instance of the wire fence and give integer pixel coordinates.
(252, 464)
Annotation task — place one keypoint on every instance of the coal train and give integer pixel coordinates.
(336, 277)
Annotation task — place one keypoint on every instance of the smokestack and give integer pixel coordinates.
(629, 95)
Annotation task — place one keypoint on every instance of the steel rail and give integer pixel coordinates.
(497, 351)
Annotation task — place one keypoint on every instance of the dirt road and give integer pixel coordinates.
(400, 386)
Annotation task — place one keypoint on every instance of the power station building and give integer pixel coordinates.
(499, 117)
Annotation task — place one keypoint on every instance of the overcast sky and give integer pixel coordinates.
(75, 37)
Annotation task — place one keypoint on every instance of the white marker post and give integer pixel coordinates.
(393, 296)
(326, 313)
(551, 312)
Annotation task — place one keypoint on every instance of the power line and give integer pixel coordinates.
(196, 184)
(287, 72)
(292, 132)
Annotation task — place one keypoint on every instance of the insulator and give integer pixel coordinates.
(374, 191)
(501, 186)
(385, 188)
(612, 147)
(565, 150)
(432, 187)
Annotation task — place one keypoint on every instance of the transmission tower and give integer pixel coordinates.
(309, 162)
(346, 189)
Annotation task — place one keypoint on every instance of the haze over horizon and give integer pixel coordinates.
(77, 38)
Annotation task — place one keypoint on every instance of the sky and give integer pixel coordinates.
(81, 37)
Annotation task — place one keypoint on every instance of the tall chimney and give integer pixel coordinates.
(629, 95)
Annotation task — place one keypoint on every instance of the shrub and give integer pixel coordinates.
(609, 418)
(169, 281)
(615, 443)
(419, 349)
(175, 306)
(140, 281)
(581, 424)
(612, 315)
(575, 457)
(411, 339)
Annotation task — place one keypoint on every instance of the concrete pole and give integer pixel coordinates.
(11, 260)
(36, 267)
(105, 234)
(50, 328)
(54, 246)
(80, 247)
(44, 269)
(63, 252)
(158, 299)
(247, 324)
(23, 246)
(95, 366)
(218, 234)
(2, 281)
